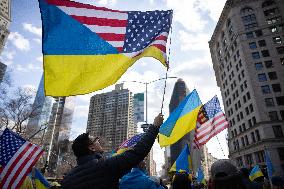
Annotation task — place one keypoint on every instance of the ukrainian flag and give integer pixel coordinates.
(87, 48)
(40, 181)
(181, 121)
(183, 162)
(255, 173)
(200, 176)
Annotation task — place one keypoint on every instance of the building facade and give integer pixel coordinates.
(58, 131)
(138, 107)
(111, 117)
(3, 68)
(5, 19)
(248, 59)
(42, 104)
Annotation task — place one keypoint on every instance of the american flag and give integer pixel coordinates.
(130, 32)
(131, 142)
(210, 121)
(17, 157)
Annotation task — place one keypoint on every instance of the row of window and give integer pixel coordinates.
(271, 75)
(269, 102)
(266, 88)
(273, 115)
(268, 64)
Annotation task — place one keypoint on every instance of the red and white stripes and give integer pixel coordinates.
(13, 175)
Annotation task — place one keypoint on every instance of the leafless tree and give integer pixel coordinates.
(17, 108)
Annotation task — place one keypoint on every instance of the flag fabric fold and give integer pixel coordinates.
(40, 181)
(87, 48)
(255, 173)
(183, 163)
(17, 157)
(128, 144)
(269, 165)
(210, 121)
(181, 121)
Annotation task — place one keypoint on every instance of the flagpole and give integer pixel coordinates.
(265, 151)
(220, 146)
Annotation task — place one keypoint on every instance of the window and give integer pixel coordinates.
(271, 12)
(258, 33)
(265, 53)
(282, 114)
(239, 162)
(246, 140)
(262, 43)
(280, 100)
(273, 29)
(243, 141)
(278, 133)
(273, 20)
(249, 19)
(251, 108)
(268, 3)
(281, 153)
(258, 66)
(255, 55)
(250, 26)
(248, 159)
(272, 75)
(248, 95)
(280, 50)
(268, 64)
(273, 116)
(269, 102)
(252, 45)
(276, 87)
(249, 35)
(259, 156)
(253, 137)
(282, 61)
(265, 89)
(257, 135)
(262, 77)
(277, 40)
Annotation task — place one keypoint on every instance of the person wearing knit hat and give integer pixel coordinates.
(225, 175)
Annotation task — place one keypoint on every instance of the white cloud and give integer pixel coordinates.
(40, 58)
(188, 14)
(193, 41)
(81, 111)
(213, 7)
(37, 40)
(33, 29)
(7, 57)
(19, 41)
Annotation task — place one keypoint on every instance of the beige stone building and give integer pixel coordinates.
(247, 50)
(5, 19)
(111, 117)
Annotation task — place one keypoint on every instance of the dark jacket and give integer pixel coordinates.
(93, 171)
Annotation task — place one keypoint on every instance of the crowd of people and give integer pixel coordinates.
(127, 170)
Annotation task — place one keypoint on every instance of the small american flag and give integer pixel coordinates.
(131, 142)
(17, 157)
(130, 32)
(210, 121)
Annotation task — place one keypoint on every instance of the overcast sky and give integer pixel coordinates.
(193, 24)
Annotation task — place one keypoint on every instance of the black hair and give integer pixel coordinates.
(181, 181)
(224, 181)
(81, 144)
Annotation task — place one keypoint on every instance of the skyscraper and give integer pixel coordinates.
(5, 19)
(248, 59)
(138, 107)
(111, 117)
(42, 104)
(58, 130)
(3, 68)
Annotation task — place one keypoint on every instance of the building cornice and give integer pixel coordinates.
(224, 15)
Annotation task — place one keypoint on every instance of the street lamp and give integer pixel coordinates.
(145, 126)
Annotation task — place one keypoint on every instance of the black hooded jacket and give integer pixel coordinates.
(95, 172)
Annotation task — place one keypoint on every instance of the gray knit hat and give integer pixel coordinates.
(223, 168)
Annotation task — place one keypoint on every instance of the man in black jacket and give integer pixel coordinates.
(94, 171)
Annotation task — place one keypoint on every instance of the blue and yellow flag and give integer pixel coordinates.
(200, 176)
(87, 48)
(183, 162)
(181, 121)
(40, 181)
(269, 165)
(255, 173)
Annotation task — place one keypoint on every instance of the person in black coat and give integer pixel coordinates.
(94, 171)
